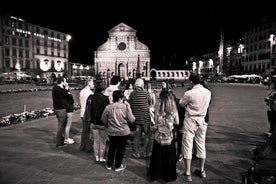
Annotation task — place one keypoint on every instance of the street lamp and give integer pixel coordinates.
(271, 46)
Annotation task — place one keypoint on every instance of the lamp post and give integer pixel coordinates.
(68, 38)
(271, 46)
(87, 71)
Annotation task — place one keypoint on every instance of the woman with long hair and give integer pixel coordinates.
(163, 159)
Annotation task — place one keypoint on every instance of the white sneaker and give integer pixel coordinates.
(69, 141)
(102, 160)
(122, 167)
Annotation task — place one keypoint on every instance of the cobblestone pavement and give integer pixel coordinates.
(237, 122)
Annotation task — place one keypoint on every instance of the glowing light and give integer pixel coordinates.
(87, 67)
(59, 66)
(45, 65)
(211, 63)
(68, 38)
(17, 66)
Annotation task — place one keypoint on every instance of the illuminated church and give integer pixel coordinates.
(122, 54)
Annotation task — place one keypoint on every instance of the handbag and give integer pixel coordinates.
(132, 127)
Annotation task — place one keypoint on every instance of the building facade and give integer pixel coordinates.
(32, 48)
(259, 49)
(123, 55)
(255, 53)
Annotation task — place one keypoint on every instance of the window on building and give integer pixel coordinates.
(37, 42)
(20, 53)
(7, 51)
(14, 52)
(7, 62)
(6, 22)
(12, 24)
(14, 61)
(37, 50)
(45, 43)
(52, 53)
(45, 32)
(27, 54)
(58, 54)
(7, 40)
(13, 41)
(27, 63)
(26, 43)
(37, 30)
(45, 52)
(20, 42)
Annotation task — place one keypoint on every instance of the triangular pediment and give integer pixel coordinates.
(122, 27)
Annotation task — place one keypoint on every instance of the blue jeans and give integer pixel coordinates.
(61, 115)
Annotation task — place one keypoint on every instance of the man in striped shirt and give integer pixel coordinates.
(139, 101)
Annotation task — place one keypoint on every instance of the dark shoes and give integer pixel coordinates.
(187, 177)
(201, 174)
(59, 145)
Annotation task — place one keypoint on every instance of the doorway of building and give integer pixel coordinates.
(122, 70)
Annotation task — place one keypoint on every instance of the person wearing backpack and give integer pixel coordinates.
(163, 159)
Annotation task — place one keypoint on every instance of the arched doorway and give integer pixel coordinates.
(122, 70)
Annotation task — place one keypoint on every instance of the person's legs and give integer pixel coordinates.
(85, 135)
(102, 144)
(62, 119)
(96, 144)
(190, 127)
(200, 144)
(121, 142)
(111, 151)
(188, 163)
(270, 120)
(68, 125)
(147, 140)
(137, 140)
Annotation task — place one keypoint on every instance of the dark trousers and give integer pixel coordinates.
(178, 138)
(117, 147)
(271, 116)
(61, 115)
(85, 144)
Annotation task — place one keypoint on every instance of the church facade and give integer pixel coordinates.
(123, 55)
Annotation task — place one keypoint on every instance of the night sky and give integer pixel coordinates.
(173, 30)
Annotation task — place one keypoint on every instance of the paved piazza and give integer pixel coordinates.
(237, 122)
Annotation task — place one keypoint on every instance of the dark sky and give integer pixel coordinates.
(173, 30)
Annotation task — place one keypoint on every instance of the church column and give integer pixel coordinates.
(147, 69)
(127, 67)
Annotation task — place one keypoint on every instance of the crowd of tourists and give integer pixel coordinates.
(167, 129)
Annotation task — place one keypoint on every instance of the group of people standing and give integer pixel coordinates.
(109, 110)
